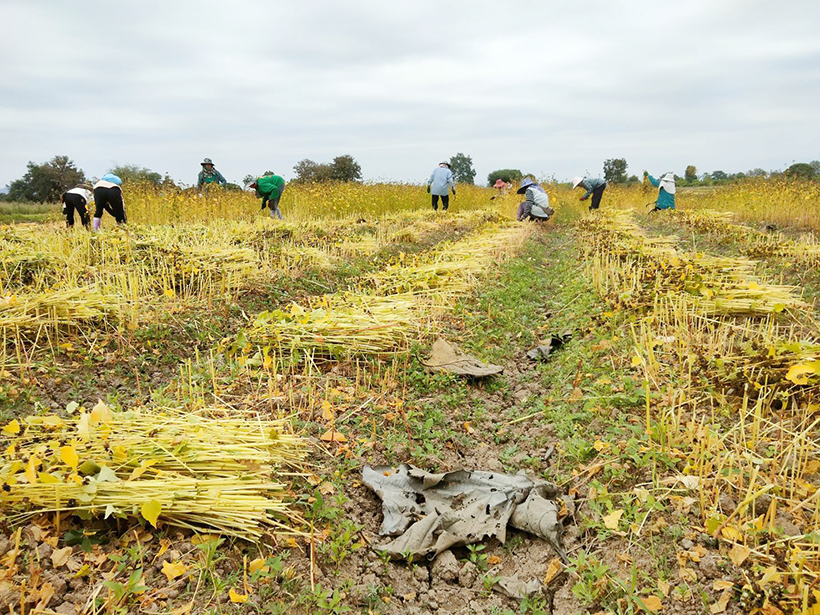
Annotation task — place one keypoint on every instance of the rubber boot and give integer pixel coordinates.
(97, 223)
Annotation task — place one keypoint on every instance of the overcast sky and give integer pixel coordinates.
(550, 87)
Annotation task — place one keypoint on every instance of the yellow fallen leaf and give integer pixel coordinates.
(722, 603)
(332, 435)
(100, 413)
(611, 520)
(327, 411)
(257, 565)
(142, 468)
(576, 394)
(12, 428)
(60, 556)
(150, 511)
(493, 560)
(599, 445)
(636, 361)
(738, 554)
(31, 469)
(730, 533)
(553, 570)
(799, 374)
(82, 427)
(237, 598)
(720, 585)
(770, 575)
(467, 427)
(173, 571)
(652, 603)
(663, 587)
(69, 456)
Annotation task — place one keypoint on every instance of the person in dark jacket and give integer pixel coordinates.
(108, 197)
(76, 199)
(594, 187)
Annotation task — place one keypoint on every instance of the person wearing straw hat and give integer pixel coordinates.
(108, 197)
(594, 187)
(666, 190)
(76, 199)
(209, 175)
(269, 187)
(439, 185)
(537, 203)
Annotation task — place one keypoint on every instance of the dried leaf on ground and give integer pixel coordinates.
(172, 571)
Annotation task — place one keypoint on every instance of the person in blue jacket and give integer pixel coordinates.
(666, 190)
(439, 185)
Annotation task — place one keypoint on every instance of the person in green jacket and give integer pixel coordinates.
(209, 175)
(269, 187)
(594, 187)
(666, 190)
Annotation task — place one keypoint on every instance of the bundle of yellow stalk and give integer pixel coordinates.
(452, 268)
(337, 326)
(649, 267)
(56, 308)
(204, 470)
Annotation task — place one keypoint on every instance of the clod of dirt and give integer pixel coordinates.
(445, 567)
(421, 574)
(66, 608)
(5, 545)
(468, 574)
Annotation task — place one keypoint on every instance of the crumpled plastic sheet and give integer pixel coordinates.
(429, 513)
(544, 351)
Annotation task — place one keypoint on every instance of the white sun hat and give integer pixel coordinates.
(576, 181)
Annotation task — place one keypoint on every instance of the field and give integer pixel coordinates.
(187, 402)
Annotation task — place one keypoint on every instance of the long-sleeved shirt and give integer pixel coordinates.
(86, 194)
(665, 200)
(591, 184)
(537, 205)
(270, 187)
(441, 181)
(210, 177)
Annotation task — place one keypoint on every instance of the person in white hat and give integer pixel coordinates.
(666, 190)
(439, 185)
(594, 187)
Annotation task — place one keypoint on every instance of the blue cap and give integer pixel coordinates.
(110, 177)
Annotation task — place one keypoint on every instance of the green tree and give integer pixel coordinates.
(719, 176)
(756, 172)
(345, 169)
(462, 168)
(505, 175)
(132, 173)
(801, 170)
(46, 182)
(691, 173)
(615, 170)
(815, 164)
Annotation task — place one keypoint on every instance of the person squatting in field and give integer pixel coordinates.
(269, 187)
(76, 199)
(593, 186)
(209, 175)
(537, 203)
(108, 197)
(666, 190)
(439, 185)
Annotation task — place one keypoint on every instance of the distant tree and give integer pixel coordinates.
(756, 173)
(815, 164)
(615, 170)
(801, 170)
(345, 169)
(737, 176)
(719, 175)
(131, 173)
(691, 173)
(47, 181)
(632, 179)
(462, 168)
(506, 175)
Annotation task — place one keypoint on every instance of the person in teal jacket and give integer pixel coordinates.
(269, 187)
(666, 190)
(209, 175)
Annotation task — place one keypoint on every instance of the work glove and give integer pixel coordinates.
(454, 194)
(583, 198)
(264, 203)
(428, 189)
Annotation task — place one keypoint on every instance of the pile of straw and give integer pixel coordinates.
(206, 470)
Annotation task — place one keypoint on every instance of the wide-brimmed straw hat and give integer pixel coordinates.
(576, 181)
(525, 183)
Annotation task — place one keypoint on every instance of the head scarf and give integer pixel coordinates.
(667, 182)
